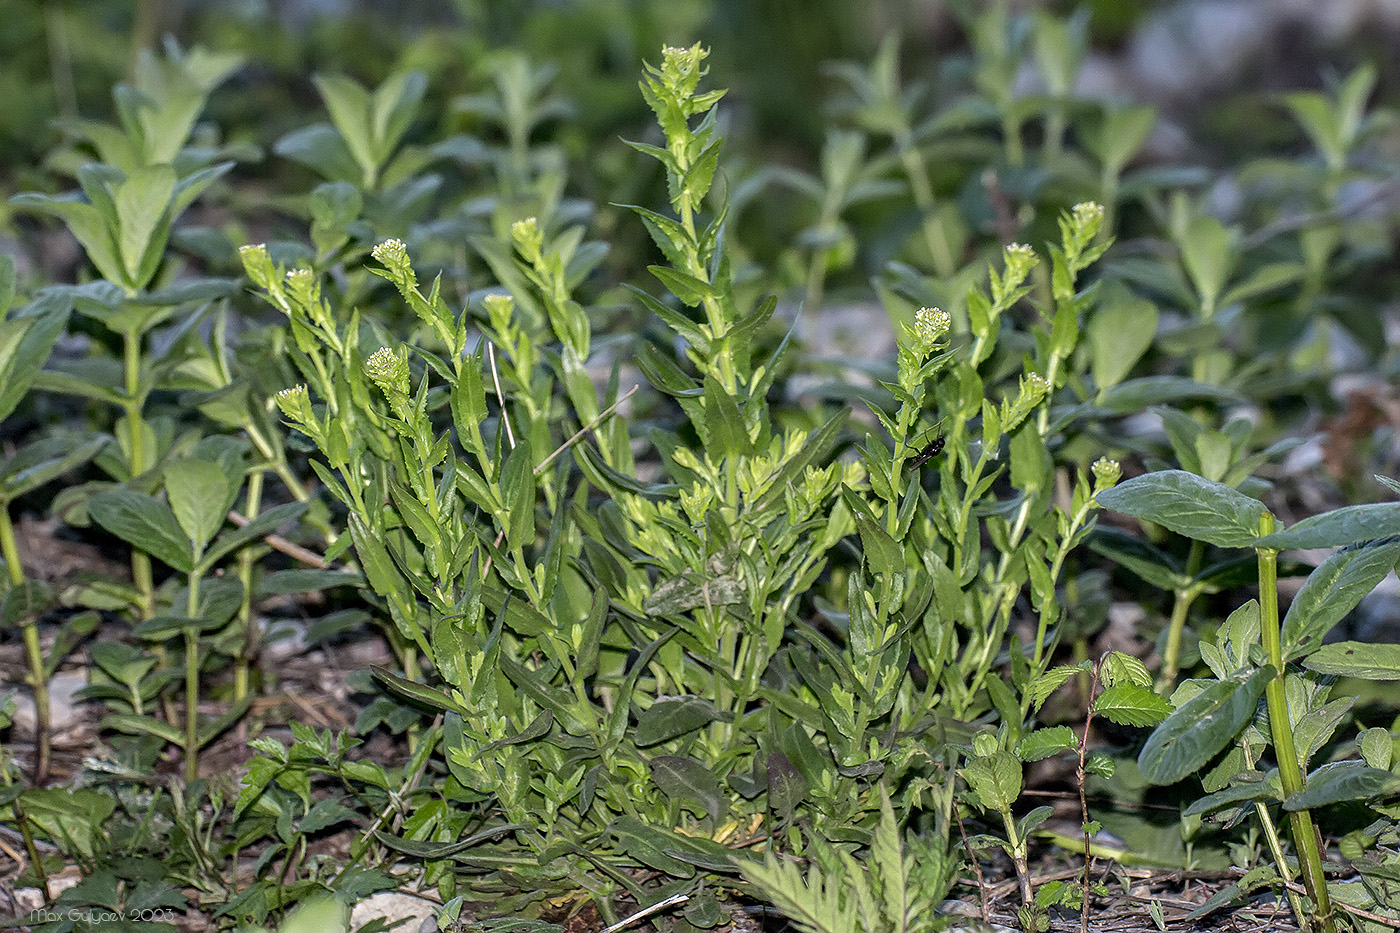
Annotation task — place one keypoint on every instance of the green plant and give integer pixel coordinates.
(1252, 656)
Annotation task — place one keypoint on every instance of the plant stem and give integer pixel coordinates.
(1305, 836)
(1081, 774)
(1181, 608)
(1018, 858)
(33, 650)
(22, 823)
(192, 684)
(245, 608)
(141, 573)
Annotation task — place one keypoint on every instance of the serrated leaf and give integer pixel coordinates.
(1042, 743)
(1131, 704)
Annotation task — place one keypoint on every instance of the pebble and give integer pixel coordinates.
(394, 907)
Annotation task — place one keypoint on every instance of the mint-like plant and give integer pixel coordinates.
(1252, 656)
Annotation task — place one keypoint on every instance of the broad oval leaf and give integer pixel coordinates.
(144, 522)
(682, 779)
(1201, 727)
(197, 490)
(1189, 505)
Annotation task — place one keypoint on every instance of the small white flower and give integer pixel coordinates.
(391, 252)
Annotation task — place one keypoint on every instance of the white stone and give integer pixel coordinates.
(392, 907)
(63, 706)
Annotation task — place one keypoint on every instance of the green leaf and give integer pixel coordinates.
(1333, 590)
(1201, 727)
(264, 524)
(669, 717)
(440, 850)
(1356, 659)
(1350, 525)
(690, 290)
(1136, 394)
(995, 779)
(1341, 781)
(649, 845)
(1209, 251)
(724, 425)
(1265, 279)
(7, 283)
(1189, 505)
(306, 581)
(1042, 743)
(683, 779)
(88, 226)
(26, 340)
(74, 816)
(143, 203)
(1130, 704)
(518, 493)
(537, 728)
(1263, 786)
(198, 491)
(412, 690)
(1120, 332)
(148, 725)
(43, 462)
(349, 106)
(145, 523)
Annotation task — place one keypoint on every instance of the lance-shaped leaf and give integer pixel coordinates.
(1342, 781)
(26, 339)
(1189, 505)
(1356, 659)
(1338, 528)
(669, 717)
(1201, 727)
(1333, 590)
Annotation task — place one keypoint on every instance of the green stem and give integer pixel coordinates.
(1171, 654)
(141, 573)
(1275, 846)
(22, 822)
(1018, 858)
(1305, 836)
(192, 684)
(253, 505)
(33, 650)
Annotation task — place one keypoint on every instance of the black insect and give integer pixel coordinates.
(934, 448)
